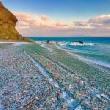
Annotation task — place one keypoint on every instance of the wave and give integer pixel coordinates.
(76, 44)
(94, 61)
(87, 59)
(81, 44)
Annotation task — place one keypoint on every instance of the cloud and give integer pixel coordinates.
(102, 21)
(32, 25)
(42, 25)
(98, 26)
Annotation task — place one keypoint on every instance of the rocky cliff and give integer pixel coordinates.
(7, 25)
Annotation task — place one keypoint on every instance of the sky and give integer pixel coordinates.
(61, 17)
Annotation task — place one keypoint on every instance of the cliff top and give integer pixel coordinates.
(8, 25)
(6, 15)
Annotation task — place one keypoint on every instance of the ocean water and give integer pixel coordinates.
(85, 39)
(98, 52)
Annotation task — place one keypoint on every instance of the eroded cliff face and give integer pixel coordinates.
(7, 25)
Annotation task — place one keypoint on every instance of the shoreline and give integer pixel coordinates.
(21, 73)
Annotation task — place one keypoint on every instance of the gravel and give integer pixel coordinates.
(22, 86)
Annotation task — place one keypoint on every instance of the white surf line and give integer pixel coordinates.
(20, 43)
(86, 60)
(12, 42)
(45, 46)
(64, 94)
(9, 42)
(1, 42)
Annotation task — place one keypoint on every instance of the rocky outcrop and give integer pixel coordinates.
(7, 25)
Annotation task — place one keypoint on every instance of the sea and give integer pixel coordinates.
(94, 49)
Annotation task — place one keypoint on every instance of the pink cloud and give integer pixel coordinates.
(34, 25)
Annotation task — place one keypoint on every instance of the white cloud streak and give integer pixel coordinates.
(33, 25)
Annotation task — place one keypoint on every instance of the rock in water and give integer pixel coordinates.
(8, 24)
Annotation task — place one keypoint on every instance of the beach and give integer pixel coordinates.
(21, 83)
(45, 76)
(54, 58)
